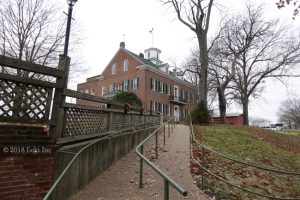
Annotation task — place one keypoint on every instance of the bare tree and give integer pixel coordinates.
(289, 112)
(191, 71)
(195, 14)
(30, 31)
(264, 49)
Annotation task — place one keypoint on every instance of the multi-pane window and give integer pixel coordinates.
(114, 68)
(120, 87)
(135, 83)
(112, 87)
(169, 90)
(161, 87)
(125, 85)
(159, 107)
(125, 65)
(168, 110)
(152, 105)
(103, 90)
(92, 91)
(152, 83)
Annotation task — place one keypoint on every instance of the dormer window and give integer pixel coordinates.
(114, 68)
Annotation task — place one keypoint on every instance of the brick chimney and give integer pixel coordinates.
(141, 55)
(122, 45)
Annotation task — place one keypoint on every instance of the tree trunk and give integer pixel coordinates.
(202, 40)
(245, 103)
(222, 105)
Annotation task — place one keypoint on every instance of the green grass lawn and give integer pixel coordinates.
(254, 145)
(291, 132)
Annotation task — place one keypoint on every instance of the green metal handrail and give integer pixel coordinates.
(167, 179)
(67, 167)
(71, 162)
(192, 138)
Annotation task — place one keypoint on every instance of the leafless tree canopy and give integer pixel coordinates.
(30, 31)
(195, 14)
(289, 112)
(263, 50)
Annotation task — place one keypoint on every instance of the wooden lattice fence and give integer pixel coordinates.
(36, 93)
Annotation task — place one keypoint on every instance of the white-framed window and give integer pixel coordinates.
(135, 83)
(103, 90)
(114, 68)
(86, 91)
(120, 86)
(169, 90)
(168, 110)
(125, 85)
(152, 105)
(176, 91)
(125, 65)
(160, 107)
(161, 87)
(112, 87)
(92, 91)
(152, 83)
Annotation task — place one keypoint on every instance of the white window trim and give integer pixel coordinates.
(161, 85)
(135, 83)
(154, 84)
(169, 90)
(114, 68)
(125, 65)
(125, 85)
(103, 90)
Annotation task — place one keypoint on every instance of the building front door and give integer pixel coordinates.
(176, 113)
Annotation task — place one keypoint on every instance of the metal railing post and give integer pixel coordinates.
(168, 129)
(156, 145)
(202, 170)
(166, 190)
(141, 168)
(164, 134)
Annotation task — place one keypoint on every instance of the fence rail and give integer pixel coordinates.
(201, 163)
(35, 93)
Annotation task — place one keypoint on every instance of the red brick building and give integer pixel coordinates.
(232, 119)
(159, 88)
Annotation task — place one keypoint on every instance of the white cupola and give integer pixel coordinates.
(153, 54)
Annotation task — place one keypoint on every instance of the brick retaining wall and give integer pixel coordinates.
(26, 161)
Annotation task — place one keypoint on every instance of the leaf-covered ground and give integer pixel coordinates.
(261, 147)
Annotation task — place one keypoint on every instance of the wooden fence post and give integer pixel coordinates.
(58, 111)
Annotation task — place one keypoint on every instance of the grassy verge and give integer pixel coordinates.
(291, 132)
(265, 148)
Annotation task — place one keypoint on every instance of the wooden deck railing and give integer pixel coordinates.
(33, 93)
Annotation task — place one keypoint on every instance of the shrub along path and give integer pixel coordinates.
(121, 180)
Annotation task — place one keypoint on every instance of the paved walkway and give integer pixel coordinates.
(121, 180)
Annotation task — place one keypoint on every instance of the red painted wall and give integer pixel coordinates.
(232, 120)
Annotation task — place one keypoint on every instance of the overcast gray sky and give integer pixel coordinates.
(104, 24)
